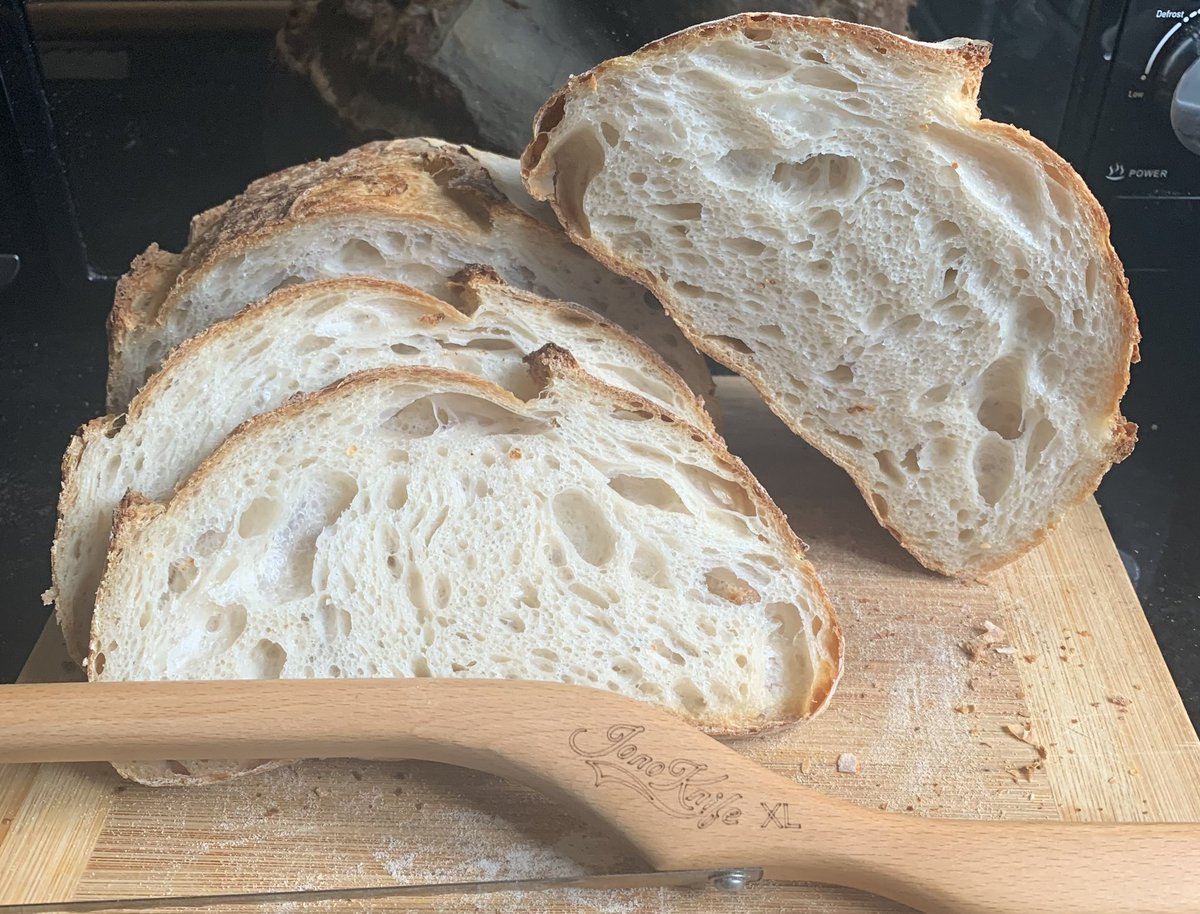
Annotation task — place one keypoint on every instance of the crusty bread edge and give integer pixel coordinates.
(471, 282)
(546, 364)
(972, 57)
(157, 278)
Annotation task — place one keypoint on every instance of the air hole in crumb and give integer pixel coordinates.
(691, 696)
(757, 34)
(652, 492)
(666, 653)
(1035, 320)
(726, 584)
(731, 342)
(824, 78)
(1043, 433)
(259, 517)
(267, 658)
(881, 505)
(360, 256)
(821, 177)
(825, 221)
(746, 246)
(772, 332)
(1001, 393)
(688, 212)
(848, 441)
(842, 374)
(890, 467)
(945, 230)
(578, 160)
(789, 622)
(937, 394)
(611, 134)
(398, 493)
(626, 668)
(585, 527)
(994, 467)
(1091, 278)
(181, 575)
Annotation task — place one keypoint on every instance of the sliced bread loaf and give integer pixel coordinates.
(422, 522)
(407, 210)
(303, 338)
(929, 298)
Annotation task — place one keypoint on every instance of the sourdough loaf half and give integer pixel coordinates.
(406, 210)
(929, 298)
(422, 522)
(303, 338)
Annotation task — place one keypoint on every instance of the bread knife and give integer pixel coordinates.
(681, 799)
(725, 880)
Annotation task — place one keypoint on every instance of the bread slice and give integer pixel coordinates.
(423, 522)
(408, 210)
(303, 338)
(929, 298)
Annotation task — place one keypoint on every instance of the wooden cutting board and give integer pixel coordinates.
(1066, 711)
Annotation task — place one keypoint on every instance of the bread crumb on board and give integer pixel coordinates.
(847, 763)
(991, 637)
(1024, 773)
(1023, 732)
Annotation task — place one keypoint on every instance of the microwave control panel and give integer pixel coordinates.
(1147, 140)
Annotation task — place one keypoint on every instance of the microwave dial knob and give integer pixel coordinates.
(1185, 108)
(1177, 82)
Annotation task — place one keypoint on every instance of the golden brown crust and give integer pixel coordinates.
(969, 58)
(136, 300)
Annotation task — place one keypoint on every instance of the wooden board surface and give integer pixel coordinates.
(936, 730)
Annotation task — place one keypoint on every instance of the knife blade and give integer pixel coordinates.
(725, 880)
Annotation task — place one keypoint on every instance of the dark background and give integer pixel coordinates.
(153, 127)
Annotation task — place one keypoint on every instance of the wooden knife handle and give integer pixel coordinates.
(682, 799)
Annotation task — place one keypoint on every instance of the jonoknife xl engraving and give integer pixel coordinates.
(779, 815)
(679, 787)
